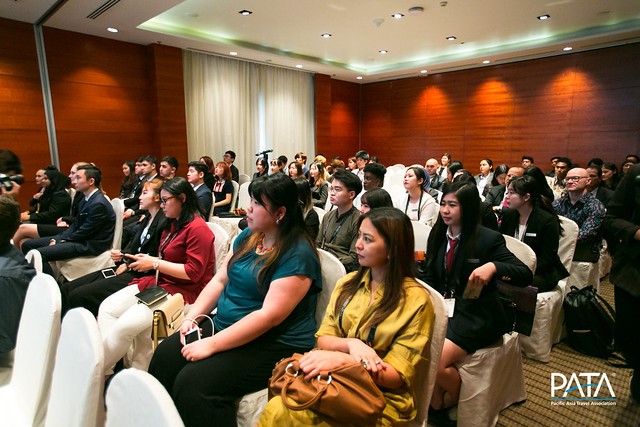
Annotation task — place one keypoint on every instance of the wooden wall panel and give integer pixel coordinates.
(22, 122)
(322, 104)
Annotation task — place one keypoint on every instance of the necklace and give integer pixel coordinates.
(260, 249)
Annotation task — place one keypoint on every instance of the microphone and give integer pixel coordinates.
(264, 152)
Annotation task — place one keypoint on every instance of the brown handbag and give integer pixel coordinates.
(167, 318)
(347, 394)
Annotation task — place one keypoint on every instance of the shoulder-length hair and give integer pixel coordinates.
(209, 162)
(320, 179)
(377, 198)
(272, 192)
(397, 232)
(304, 195)
(177, 187)
(226, 175)
(298, 167)
(527, 185)
(421, 174)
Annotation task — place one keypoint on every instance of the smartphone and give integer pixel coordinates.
(127, 260)
(192, 336)
(108, 272)
(472, 291)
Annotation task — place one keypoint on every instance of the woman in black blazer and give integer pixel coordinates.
(479, 258)
(54, 201)
(531, 220)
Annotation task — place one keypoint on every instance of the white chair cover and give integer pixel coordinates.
(251, 405)
(78, 382)
(220, 244)
(243, 177)
(243, 195)
(234, 197)
(426, 380)
(74, 268)
(34, 257)
(23, 399)
(492, 380)
(547, 324)
(522, 251)
(136, 399)
(421, 233)
(321, 212)
(584, 274)
(605, 260)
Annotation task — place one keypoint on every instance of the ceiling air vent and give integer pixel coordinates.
(102, 9)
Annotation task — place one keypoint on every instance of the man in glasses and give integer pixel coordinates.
(584, 209)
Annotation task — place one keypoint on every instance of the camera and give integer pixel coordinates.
(7, 181)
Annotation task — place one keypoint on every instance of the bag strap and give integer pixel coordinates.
(305, 405)
(156, 321)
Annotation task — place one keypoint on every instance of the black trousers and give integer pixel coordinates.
(627, 320)
(205, 391)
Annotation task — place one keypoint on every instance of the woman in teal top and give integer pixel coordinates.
(265, 293)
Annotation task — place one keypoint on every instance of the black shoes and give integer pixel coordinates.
(440, 418)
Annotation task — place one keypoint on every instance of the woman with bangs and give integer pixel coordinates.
(416, 203)
(319, 184)
(265, 293)
(463, 262)
(378, 316)
(222, 188)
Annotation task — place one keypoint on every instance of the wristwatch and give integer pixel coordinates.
(156, 264)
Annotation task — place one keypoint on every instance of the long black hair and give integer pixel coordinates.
(190, 207)
(527, 185)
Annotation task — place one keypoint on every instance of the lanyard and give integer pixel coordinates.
(336, 231)
(372, 331)
(419, 204)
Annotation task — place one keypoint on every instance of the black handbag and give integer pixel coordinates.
(519, 305)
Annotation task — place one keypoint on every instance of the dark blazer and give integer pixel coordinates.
(542, 235)
(622, 222)
(133, 202)
(436, 182)
(604, 195)
(151, 242)
(495, 195)
(75, 208)
(235, 174)
(52, 208)
(481, 320)
(205, 200)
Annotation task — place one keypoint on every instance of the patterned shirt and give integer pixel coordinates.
(588, 212)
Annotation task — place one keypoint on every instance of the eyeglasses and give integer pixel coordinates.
(164, 201)
(575, 178)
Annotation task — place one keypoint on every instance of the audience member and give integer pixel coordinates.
(541, 181)
(483, 179)
(301, 158)
(15, 275)
(557, 184)
(311, 219)
(630, 161)
(585, 210)
(375, 198)
(436, 181)
(275, 166)
(499, 175)
(222, 189)
(373, 178)
(463, 257)
(295, 170)
(488, 218)
(382, 296)
(265, 294)
(319, 185)
(416, 203)
(91, 233)
(11, 168)
(553, 161)
(148, 171)
(168, 167)
(131, 200)
(452, 169)
(128, 180)
(230, 157)
(336, 163)
(209, 177)
(40, 188)
(445, 160)
(185, 264)
(596, 161)
(527, 162)
(262, 168)
(532, 220)
(495, 196)
(362, 158)
(351, 164)
(339, 228)
(596, 186)
(623, 222)
(54, 201)
(195, 176)
(610, 176)
(90, 290)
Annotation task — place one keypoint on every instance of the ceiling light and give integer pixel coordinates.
(233, 53)
(245, 12)
(423, 71)
(397, 15)
(486, 61)
(112, 30)
(417, 10)
(298, 66)
(544, 17)
(451, 38)
(567, 49)
(383, 52)
(191, 15)
(359, 77)
(325, 35)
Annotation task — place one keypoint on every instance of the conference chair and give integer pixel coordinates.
(220, 244)
(243, 177)
(421, 233)
(24, 399)
(234, 197)
(321, 213)
(251, 405)
(243, 195)
(34, 257)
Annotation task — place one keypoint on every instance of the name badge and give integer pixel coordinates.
(451, 305)
(530, 234)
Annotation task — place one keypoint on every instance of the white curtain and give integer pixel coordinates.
(246, 107)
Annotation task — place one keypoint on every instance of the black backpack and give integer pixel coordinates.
(590, 322)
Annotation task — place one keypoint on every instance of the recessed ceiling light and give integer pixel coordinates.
(397, 15)
(486, 61)
(245, 12)
(423, 71)
(112, 30)
(383, 52)
(543, 17)
(450, 38)
(325, 35)
(567, 49)
(417, 10)
(233, 53)
(298, 66)
(359, 77)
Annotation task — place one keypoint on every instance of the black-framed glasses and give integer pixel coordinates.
(575, 178)
(164, 201)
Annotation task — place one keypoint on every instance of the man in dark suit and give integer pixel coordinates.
(601, 192)
(195, 176)
(495, 197)
(230, 157)
(435, 181)
(147, 171)
(91, 233)
(623, 222)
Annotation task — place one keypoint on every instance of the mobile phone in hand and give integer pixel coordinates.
(192, 336)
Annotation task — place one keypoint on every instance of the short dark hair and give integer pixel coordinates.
(151, 159)
(564, 160)
(377, 198)
(350, 180)
(198, 166)
(171, 161)
(91, 171)
(596, 161)
(528, 158)
(283, 159)
(362, 155)
(231, 154)
(597, 168)
(9, 162)
(377, 169)
(632, 158)
(9, 218)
